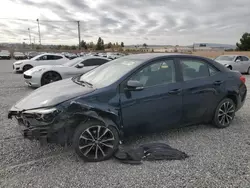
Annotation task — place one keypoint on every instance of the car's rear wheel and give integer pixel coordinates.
(27, 67)
(50, 77)
(93, 141)
(224, 113)
(248, 71)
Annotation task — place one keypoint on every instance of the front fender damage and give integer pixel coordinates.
(74, 113)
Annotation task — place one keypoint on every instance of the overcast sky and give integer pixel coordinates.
(172, 22)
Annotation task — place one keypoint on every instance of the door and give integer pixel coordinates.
(202, 89)
(90, 64)
(239, 64)
(245, 64)
(42, 60)
(57, 60)
(159, 104)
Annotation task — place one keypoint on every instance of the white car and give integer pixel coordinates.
(114, 55)
(235, 62)
(5, 54)
(19, 55)
(42, 75)
(42, 59)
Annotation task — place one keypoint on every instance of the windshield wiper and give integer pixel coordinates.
(84, 82)
(81, 82)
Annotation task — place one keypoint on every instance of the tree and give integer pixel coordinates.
(83, 45)
(109, 45)
(145, 45)
(244, 44)
(91, 45)
(122, 44)
(73, 47)
(100, 44)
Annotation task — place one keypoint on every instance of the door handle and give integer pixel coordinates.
(218, 82)
(174, 91)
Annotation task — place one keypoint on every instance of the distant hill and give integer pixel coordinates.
(215, 45)
(212, 45)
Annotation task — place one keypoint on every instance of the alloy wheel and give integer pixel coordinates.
(226, 113)
(96, 142)
(50, 77)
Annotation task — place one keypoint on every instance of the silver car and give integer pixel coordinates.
(235, 62)
(42, 75)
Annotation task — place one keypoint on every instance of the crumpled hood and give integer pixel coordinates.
(52, 94)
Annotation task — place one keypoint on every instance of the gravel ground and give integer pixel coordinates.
(218, 157)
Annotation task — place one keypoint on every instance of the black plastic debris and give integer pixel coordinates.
(149, 152)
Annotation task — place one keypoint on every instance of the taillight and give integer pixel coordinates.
(243, 79)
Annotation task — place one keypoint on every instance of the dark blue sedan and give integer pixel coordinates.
(133, 94)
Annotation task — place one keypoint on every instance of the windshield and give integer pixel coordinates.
(225, 58)
(110, 72)
(73, 62)
(36, 57)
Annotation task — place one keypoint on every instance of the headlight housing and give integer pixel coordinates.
(38, 70)
(18, 63)
(46, 115)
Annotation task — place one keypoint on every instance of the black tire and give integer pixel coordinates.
(50, 77)
(248, 70)
(93, 149)
(27, 67)
(230, 67)
(224, 113)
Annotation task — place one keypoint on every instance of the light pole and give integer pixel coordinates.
(29, 35)
(79, 34)
(39, 31)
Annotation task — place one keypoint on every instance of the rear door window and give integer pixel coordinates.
(94, 62)
(244, 58)
(196, 69)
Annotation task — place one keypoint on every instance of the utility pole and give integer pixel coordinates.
(39, 31)
(79, 34)
(29, 36)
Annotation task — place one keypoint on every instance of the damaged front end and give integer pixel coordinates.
(57, 124)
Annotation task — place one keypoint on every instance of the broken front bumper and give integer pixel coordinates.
(33, 133)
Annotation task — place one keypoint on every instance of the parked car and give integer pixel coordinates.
(42, 59)
(114, 55)
(70, 55)
(5, 54)
(32, 54)
(235, 62)
(102, 54)
(148, 92)
(45, 74)
(19, 55)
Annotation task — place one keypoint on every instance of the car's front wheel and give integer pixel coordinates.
(27, 67)
(224, 113)
(93, 141)
(50, 77)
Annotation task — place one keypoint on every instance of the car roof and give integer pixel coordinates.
(230, 55)
(39, 55)
(94, 57)
(149, 56)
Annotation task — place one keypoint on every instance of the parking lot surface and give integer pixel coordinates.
(218, 157)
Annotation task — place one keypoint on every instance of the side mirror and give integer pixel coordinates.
(80, 65)
(238, 60)
(134, 85)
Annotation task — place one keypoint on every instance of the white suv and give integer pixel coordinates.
(42, 59)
